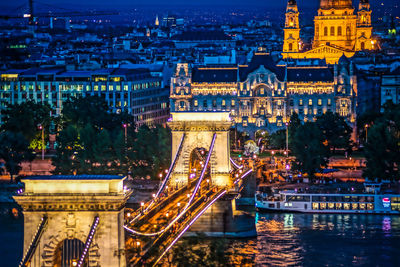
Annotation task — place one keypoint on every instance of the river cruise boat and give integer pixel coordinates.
(370, 201)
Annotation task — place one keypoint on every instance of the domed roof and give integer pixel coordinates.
(328, 4)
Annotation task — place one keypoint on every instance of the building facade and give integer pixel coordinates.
(263, 94)
(390, 87)
(337, 31)
(134, 91)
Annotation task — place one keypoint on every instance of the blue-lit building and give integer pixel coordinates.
(133, 90)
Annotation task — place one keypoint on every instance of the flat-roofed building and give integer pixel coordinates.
(133, 90)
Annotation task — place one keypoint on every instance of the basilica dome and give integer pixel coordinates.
(328, 4)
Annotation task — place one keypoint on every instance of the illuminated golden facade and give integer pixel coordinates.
(338, 31)
(262, 94)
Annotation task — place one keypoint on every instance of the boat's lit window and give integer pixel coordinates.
(322, 206)
(370, 199)
(370, 206)
(361, 199)
(362, 206)
(338, 206)
(315, 206)
(331, 205)
(346, 206)
(396, 203)
(354, 198)
(354, 206)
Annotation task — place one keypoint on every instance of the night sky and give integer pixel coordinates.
(132, 3)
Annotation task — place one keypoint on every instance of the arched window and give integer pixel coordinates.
(362, 45)
(290, 47)
(326, 31)
(348, 32)
(291, 22)
(68, 253)
(332, 31)
(339, 31)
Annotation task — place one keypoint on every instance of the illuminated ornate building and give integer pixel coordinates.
(264, 94)
(338, 31)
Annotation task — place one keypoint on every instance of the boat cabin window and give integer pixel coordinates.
(298, 198)
(396, 203)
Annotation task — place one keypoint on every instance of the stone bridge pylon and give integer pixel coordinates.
(73, 220)
(199, 128)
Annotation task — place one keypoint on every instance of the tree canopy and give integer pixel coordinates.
(14, 150)
(25, 118)
(308, 148)
(382, 151)
(95, 140)
(335, 130)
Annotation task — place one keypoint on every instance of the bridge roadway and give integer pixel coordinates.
(155, 248)
(154, 232)
(160, 219)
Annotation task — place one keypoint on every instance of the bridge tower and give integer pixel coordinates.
(73, 220)
(199, 128)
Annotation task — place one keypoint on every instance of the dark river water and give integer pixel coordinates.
(283, 240)
(294, 239)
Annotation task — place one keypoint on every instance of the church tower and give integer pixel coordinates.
(292, 40)
(335, 24)
(364, 27)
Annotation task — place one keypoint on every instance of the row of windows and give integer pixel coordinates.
(310, 102)
(214, 103)
(342, 206)
(336, 32)
(343, 198)
(81, 87)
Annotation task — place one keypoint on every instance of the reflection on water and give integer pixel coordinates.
(278, 241)
(327, 240)
(11, 235)
(283, 240)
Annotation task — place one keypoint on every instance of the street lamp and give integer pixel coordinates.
(41, 128)
(366, 133)
(287, 138)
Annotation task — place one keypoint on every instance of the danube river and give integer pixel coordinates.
(283, 240)
(294, 239)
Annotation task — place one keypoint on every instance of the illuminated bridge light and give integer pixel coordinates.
(163, 185)
(188, 226)
(88, 241)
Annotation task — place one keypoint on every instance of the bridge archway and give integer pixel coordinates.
(197, 160)
(199, 128)
(84, 208)
(68, 252)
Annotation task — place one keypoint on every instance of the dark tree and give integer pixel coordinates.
(14, 150)
(200, 252)
(308, 148)
(294, 123)
(278, 139)
(382, 151)
(25, 118)
(335, 130)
